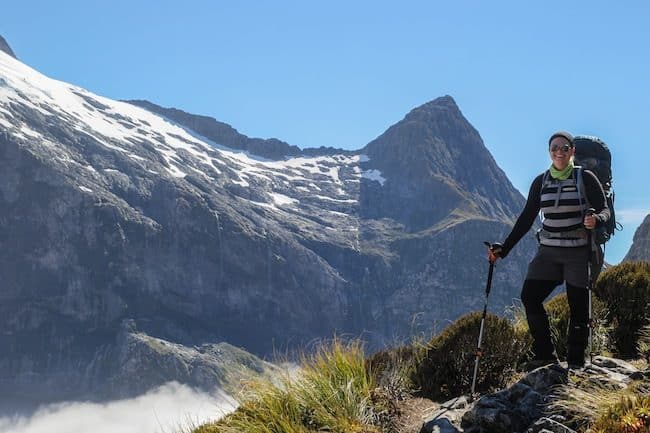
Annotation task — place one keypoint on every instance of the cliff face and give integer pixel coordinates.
(640, 249)
(4, 47)
(111, 213)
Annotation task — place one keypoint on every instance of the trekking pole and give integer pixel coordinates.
(590, 212)
(479, 350)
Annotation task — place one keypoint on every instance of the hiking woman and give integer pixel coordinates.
(563, 193)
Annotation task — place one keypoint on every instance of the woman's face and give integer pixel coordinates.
(561, 152)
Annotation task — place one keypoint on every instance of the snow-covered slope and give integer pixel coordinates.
(150, 141)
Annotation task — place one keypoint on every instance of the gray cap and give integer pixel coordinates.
(563, 134)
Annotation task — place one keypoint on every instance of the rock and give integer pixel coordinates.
(541, 379)
(447, 417)
(521, 407)
(640, 249)
(618, 366)
(442, 425)
(548, 425)
(4, 46)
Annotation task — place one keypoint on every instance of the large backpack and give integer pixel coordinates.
(593, 154)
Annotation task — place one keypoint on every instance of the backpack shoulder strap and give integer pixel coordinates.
(580, 184)
(578, 173)
(545, 177)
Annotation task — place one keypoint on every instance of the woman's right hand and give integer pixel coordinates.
(494, 252)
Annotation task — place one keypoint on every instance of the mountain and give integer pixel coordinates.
(223, 133)
(640, 249)
(114, 212)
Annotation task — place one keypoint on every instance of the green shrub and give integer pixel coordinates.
(447, 368)
(625, 289)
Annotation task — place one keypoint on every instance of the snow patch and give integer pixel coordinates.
(338, 200)
(123, 127)
(5, 124)
(28, 131)
(241, 182)
(282, 200)
(374, 175)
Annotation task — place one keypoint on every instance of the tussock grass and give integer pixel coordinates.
(332, 392)
(630, 414)
(598, 409)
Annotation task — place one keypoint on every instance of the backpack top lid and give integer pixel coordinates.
(593, 154)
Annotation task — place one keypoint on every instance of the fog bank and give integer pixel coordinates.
(171, 408)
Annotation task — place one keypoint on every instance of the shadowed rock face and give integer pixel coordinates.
(640, 249)
(110, 212)
(4, 46)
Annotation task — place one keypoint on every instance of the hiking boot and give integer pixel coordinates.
(576, 367)
(535, 363)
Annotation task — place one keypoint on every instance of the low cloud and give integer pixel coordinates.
(172, 408)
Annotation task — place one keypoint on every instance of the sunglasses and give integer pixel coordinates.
(564, 147)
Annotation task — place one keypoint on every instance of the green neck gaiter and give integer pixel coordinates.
(562, 174)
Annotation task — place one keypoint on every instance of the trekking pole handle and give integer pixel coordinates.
(491, 257)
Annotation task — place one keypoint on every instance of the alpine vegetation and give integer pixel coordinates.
(331, 392)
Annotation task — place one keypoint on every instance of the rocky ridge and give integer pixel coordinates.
(640, 249)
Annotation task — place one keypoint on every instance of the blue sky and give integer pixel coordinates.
(339, 73)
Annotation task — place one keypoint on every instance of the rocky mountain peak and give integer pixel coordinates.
(434, 134)
(436, 148)
(437, 105)
(640, 249)
(4, 47)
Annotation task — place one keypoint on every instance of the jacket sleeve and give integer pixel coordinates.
(596, 196)
(527, 217)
